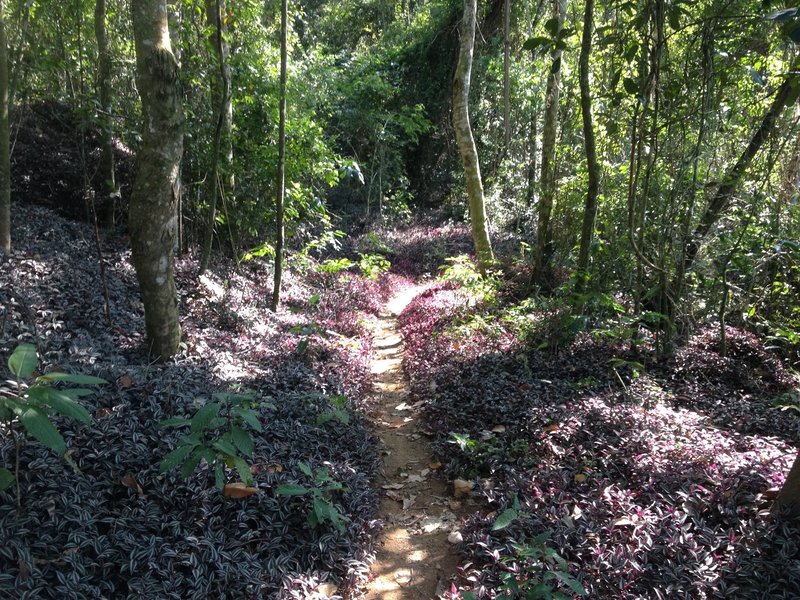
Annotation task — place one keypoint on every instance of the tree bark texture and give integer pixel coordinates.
(590, 207)
(154, 198)
(789, 496)
(222, 152)
(281, 176)
(507, 74)
(466, 142)
(109, 187)
(5, 162)
(549, 133)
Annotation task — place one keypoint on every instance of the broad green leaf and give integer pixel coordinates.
(570, 582)
(204, 415)
(249, 417)
(173, 422)
(504, 519)
(630, 86)
(76, 378)
(242, 440)
(243, 469)
(224, 446)
(6, 479)
(291, 489)
(324, 417)
(39, 426)
(176, 457)
(219, 476)
(305, 469)
(536, 42)
(61, 403)
(191, 463)
(22, 361)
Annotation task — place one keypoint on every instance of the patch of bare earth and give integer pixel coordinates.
(414, 559)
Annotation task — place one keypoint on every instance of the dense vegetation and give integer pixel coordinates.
(614, 367)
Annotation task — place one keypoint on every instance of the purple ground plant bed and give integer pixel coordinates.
(660, 489)
(91, 536)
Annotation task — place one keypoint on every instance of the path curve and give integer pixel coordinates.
(414, 558)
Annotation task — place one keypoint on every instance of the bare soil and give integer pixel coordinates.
(414, 558)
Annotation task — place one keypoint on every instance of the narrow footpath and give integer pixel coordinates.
(414, 560)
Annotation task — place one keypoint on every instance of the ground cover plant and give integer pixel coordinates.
(123, 525)
(651, 479)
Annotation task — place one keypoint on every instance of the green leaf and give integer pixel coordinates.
(504, 519)
(23, 360)
(324, 417)
(176, 457)
(61, 403)
(39, 426)
(219, 476)
(72, 378)
(630, 86)
(191, 463)
(291, 489)
(243, 469)
(224, 446)
(173, 422)
(242, 440)
(537, 42)
(249, 417)
(306, 470)
(204, 415)
(6, 479)
(570, 582)
(551, 26)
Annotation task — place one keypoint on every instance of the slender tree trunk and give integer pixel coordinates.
(730, 182)
(5, 159)
(466, 142)
(549, 134)
(154, 198)
(108, 186)
(590, 207)
(789, 496)
(223, 113)
(281, 183)
(507, 75)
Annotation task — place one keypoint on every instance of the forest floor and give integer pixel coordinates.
(581, 462)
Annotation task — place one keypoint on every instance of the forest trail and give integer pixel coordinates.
(414, 559)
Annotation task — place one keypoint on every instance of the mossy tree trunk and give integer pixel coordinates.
(789, 496)
(466, 142)
(5, 162)
(154, 199)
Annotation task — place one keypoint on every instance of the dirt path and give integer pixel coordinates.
(414, 557)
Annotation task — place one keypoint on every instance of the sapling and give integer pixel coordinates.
(29, 403)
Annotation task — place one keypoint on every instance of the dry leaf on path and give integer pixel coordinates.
(393, 486)
(462, 487)
(129, 481)
(394, 496)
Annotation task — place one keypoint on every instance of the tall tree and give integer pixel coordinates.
(281, 182)
(466, 142)
(549, 133)
(590, 206)
(5, 162)
(221, 153)
(507, 75)
(103, 85)
(154, 199)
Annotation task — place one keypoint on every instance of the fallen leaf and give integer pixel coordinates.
(454, 505)
(101, 412)
(552, 428)
(415, 478)
(499, 429)
(424, 472)
(462, 487)
(408, 502)
(455, 537)
(393, 486)
(580, 477)
(623, 521)
(394, 496)
(434, 466)
(238, 490)
(126, 381)
(129, 481)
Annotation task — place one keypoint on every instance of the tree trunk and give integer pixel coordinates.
(5, 162)
(731, 180)
(789, 496)
(221, 153)
(154, 199)
(549, 134)
(281, 183)
(465, 141)
(507, 75)
(590, 207)
(109, 187)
